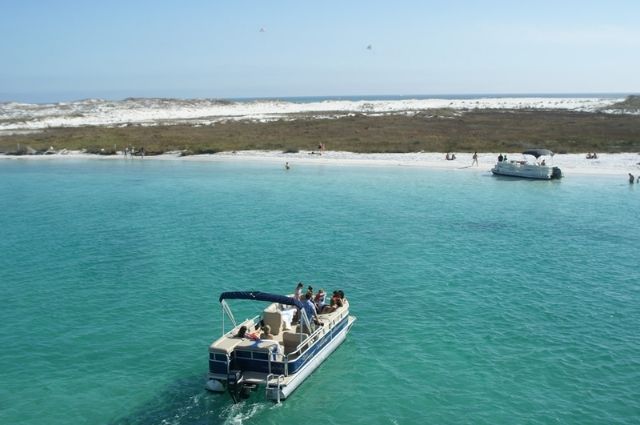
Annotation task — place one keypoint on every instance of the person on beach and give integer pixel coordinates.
(475, 159)
(631, 178)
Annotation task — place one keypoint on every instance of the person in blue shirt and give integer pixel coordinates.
(310, 309)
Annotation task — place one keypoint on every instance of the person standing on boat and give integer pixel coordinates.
(500, 158)
(310, 309)
(320, 300)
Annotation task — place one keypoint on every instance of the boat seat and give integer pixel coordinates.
(274, 320)
(291, 340)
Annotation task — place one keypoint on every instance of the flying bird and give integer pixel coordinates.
(262, 30)
(369, 47)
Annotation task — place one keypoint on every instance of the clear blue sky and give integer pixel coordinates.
(62, 50)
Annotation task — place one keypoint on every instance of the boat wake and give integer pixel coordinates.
(237, 414)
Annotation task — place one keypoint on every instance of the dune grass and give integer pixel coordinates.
(429, 131)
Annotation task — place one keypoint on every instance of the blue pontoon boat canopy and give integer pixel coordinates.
(260, 296)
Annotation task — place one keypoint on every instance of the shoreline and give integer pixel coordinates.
(607, 163)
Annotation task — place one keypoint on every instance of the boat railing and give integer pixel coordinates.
(314, 336)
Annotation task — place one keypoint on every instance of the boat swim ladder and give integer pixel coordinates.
(279, 381)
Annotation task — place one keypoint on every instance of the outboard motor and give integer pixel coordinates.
(238, 389)
(234, 384)
(556, 173)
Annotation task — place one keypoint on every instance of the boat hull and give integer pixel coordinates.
(295, 380)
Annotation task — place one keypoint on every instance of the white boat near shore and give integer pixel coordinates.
(539, 169)
(241, 365)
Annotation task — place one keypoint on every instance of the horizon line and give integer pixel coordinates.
(337, 97)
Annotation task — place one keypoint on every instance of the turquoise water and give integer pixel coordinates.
(479, 300)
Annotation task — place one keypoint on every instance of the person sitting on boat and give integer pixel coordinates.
(242, 333)
(336, 302)
(266, 332)
(543, 162)
(268, 336)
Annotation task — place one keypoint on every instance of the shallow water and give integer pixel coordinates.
(479, 299)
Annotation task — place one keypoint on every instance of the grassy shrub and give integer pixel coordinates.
(481, 130)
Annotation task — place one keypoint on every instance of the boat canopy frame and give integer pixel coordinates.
(257, 296)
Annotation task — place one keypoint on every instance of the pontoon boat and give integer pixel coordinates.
(299, 346)
(530, 170)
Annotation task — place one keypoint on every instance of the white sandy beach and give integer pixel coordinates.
(571, 164)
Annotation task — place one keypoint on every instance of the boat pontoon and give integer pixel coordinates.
(530, 170)
(299, 346)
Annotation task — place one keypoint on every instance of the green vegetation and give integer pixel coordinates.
(631, 103)
(429, 131)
